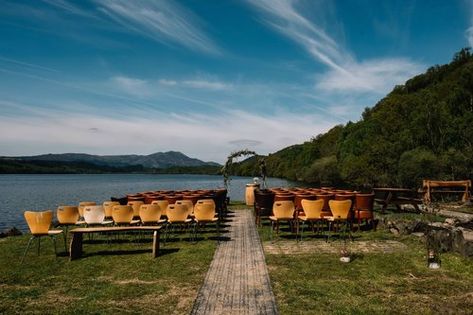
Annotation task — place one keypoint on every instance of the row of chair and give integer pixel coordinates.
(182, 212)
(313, 212)
(361, 204)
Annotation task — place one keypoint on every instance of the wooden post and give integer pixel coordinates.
(75, 249)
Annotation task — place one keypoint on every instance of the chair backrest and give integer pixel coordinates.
(84, 204)
(207, 200)
(204, 211)
(163, 204)
(67, 214)
(94, 214)
(364, 202)
(283, 209)
(136, 204)
(108, 207)
(176, 213)
(150, 213)
(122, 214)
(188, 204)
(340, 208)
(39, 222)
(312, 208)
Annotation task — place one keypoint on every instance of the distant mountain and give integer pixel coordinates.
(159, 160)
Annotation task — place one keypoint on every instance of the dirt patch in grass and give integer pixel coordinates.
(292, 248)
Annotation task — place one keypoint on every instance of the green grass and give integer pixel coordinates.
(117, 277)
(373, 283)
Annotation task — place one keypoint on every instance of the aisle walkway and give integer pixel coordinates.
(237, 281)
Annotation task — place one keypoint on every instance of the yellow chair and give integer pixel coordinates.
(81, 209)
(108, 207)
(151, 214)
(188, 204)
(340, 214)
(312, 213)
(123, 215)
(67, 216)
(39, 223)
(282, 211)
(204, 212)
(177, 215)
(136, 204)
(163, 204)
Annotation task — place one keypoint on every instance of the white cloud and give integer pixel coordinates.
(345, 72)
(202, 136)
(377, 76)
(163, 21)
(209, 85)
(133, 86)
(167, 82)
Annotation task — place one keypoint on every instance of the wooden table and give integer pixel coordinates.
(75, 250)
(397, 197)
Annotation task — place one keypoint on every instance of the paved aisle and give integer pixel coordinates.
(237, 281)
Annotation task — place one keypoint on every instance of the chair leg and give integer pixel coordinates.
(302, 230)
(271, 231)
(26, 250)
(53, 238)
(39, 245)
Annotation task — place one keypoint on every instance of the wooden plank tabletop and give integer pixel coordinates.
(114, 229)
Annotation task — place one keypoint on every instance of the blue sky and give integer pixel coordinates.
(207, 77)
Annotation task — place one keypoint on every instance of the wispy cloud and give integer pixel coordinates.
(345, 72)
(163, 21)
(69, 7)
(133, 86)
(26, 64)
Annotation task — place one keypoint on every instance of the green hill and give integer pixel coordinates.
(422, 129)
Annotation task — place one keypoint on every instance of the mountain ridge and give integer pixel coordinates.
(159, 160)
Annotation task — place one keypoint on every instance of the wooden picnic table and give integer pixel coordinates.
(75, 250)
(397, 197)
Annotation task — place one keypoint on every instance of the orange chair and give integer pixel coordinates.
(177, 215)
(364, 208)
(150, 214)
(204, 212)
(188, 204)
(282, 211)
(123, 215)
(312, 213)
(39, 223)
(340, 215)
(67, 216)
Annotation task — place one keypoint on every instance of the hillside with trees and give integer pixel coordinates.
(422, 129)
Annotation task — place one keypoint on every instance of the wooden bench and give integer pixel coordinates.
(430, 187)
(75, 248)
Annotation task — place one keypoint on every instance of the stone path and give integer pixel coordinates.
(237, 281)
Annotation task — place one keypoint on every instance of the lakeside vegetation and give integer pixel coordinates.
(422, 129)
(11, 166)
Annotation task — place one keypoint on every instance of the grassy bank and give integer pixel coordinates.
(116, 277)
(387, 276)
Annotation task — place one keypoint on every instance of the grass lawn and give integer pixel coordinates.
(314, 281)
(117, 277)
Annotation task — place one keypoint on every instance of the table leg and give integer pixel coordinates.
(75, 249)
(155, 244)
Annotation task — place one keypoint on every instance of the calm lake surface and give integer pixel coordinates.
(39, 192)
